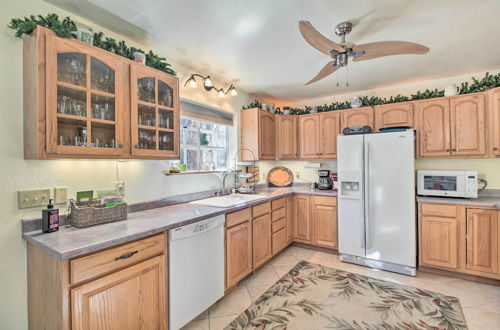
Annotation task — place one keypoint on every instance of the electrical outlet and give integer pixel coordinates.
(297, 175)
(60, 195)
(32, 198)
(120, 188)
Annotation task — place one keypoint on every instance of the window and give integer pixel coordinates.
(203, 145)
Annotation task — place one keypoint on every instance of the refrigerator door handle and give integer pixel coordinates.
(366, 231)
(363, 223)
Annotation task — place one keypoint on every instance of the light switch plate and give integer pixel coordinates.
(60, 195)
(120, 188)
(33, 198)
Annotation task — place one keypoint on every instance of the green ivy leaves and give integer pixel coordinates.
(66, 27)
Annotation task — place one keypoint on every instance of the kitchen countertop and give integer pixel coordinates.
(71, 242)
(487, 200)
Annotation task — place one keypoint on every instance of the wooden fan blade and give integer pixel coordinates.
(327, 70)
(388, 48)
(317, 40)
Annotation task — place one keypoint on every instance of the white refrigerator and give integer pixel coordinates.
(376, 200)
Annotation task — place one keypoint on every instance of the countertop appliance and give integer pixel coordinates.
(376, 200)
(447, 183)
(196, 269)
(325, 182)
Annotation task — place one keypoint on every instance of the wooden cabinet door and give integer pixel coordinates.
(261, 239)
(392, 115)
(330, 128)
(468, 125)
(287, 137)
(84, 105)
(155, 115)
(358, 117)
(494, 120)
(433, 122)
(439, 242)
(482, 240)
(289, 218)
(238, 253)
(309, 136)
(324, 221)
(267, 135)
(134, 298)
(302, 219)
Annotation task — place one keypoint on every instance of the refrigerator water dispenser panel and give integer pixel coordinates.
(350, 188)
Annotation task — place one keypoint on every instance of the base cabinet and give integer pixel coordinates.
(460, 239)
(261, 236)
(302, 218)
(133, 298)
(238, 246)
(324, 221)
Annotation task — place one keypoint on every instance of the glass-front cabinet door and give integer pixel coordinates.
(84, 100)
(155, 113)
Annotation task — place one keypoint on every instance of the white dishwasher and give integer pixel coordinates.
(196, 269)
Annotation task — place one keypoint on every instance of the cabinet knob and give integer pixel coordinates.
(121, 145)
(495, 148)
(136, 146)
(448, 150)
(453, 149)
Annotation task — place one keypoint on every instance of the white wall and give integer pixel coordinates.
(143, 179)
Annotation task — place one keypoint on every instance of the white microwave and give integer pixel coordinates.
(447, 183)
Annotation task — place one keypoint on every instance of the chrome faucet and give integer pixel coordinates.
(224, 180)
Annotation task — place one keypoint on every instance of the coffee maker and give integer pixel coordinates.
(325, 182)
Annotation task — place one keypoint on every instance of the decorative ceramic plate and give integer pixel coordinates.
(280, 176)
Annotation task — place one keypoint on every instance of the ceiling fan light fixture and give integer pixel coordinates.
(233, 91)
(192, 82)
(221, 93)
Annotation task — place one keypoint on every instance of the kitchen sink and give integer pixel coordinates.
(228, 200)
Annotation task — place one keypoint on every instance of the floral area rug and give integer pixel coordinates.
(311, 296)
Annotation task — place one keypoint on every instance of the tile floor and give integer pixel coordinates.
(480, 302)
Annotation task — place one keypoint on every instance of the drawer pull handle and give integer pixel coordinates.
(126, 256)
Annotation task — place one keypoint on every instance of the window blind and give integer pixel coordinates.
(198, 111)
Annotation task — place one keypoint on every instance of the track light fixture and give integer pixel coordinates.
(208, 84)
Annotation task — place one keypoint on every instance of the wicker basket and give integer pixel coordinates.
(91, 213)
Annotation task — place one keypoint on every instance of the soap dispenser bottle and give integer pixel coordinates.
(50, 218)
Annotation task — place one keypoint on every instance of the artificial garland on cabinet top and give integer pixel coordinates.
(66, 28)
(489, 81)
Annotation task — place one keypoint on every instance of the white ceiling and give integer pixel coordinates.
(257, 44)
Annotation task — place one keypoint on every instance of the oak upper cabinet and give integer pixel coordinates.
(155, 113)
(290, 201)
(261, 233)
(329, 123)
(433, 133)
(309, 137)
(439, 234)
(468, 125)
(324, 221)
(84, 100)
(258, 134)
(238, 246)
(482, 240)
(133, 298)
(302, 219)
(393, 115)
(494, 121)
(318, 135)
(358, 117)
(286, 128)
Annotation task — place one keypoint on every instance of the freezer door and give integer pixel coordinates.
(390, 197)
(350, 197)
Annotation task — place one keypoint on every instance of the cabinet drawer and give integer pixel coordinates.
(325, 200)
(235, 218)
(119, 257)
(278, 203)
(277, 225)
(278, 214)
(440, 210)
(279, 241)
(261, 209)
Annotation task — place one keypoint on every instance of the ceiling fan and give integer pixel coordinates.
(340, 52)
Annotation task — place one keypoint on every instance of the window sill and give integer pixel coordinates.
(194, 172)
